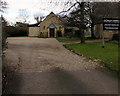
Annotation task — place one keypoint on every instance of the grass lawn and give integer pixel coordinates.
(87, 35)
(64, 39)
(107, 55)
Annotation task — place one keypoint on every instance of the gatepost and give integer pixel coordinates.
(0, 56)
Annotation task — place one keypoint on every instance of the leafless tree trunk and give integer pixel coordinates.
(82, 23)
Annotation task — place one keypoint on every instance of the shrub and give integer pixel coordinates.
(16, 31)
(115, 37)
(43, 35)
(77, 33)
(59, 33)
(69, 33)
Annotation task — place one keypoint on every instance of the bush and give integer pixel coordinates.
(69, 33)
(16, 31)
(59, 33)
(43, 35)
(115, 37)
(77, 33)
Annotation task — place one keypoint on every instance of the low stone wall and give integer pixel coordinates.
(98, 31)
(109, 34)
(43, 34)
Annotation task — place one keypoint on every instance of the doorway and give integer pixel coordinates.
(52, 32)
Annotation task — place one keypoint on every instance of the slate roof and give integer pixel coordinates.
(34, 25)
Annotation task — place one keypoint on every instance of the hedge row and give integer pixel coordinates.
(16, 31)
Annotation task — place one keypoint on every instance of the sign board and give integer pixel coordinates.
(111, 24)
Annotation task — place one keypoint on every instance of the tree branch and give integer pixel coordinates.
(68, 9)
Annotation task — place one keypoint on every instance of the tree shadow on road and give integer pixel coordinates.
(69, 82)
(11, 80)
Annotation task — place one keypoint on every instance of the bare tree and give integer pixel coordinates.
(77, 17)
(3, 5)
(84, 14)
(99, 10)
(94, 12)
(38, 19)
(23, 15)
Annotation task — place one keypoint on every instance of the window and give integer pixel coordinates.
(44, 27)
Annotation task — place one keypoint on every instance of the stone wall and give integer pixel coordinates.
(98, 31)
(34, 31)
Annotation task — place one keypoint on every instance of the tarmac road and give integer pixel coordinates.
(44, 66)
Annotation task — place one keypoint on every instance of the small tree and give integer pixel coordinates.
(77, 18)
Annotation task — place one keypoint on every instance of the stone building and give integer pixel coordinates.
(51, 26)
(34, 30)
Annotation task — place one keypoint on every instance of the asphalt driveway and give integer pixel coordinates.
(44, 66)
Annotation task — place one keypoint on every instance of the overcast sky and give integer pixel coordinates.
(32, 7)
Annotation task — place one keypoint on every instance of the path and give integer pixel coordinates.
(44, 66)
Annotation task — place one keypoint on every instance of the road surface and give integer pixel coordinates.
(44, 66)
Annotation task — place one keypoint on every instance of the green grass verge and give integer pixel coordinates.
(64, 39)
(87, 35)
(107, 55)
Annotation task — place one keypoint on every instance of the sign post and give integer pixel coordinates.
(103, 41)
(110, 24)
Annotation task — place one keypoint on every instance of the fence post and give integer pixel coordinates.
(103, 40)
(0, 56)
